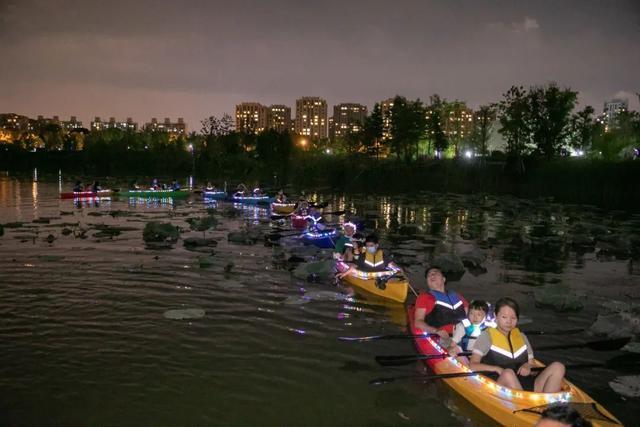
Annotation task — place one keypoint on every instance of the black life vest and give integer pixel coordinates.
(448, 310)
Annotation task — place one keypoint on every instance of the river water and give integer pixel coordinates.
(89, 332)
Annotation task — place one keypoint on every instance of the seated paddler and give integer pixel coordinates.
(438, 310)
(506, 351)
(280, 197)
(316, 222)
(374, 262)
(469, 329)
(241, 190)
(344, 244)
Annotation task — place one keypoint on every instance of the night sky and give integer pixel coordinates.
(191, 59)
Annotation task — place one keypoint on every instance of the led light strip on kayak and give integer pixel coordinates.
(564, 396)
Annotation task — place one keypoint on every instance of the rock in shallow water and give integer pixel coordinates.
(628, 386)
(616, 325)
(558, 297)
(186, 313)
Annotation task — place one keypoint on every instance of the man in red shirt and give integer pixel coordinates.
(438, 311)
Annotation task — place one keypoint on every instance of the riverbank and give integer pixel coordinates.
(609, 185)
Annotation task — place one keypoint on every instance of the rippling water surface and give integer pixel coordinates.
(89, 334)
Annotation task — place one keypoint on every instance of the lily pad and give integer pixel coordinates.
(321, 270)
(186, 313)
(51, 258)
(13, 224)
(160, 232)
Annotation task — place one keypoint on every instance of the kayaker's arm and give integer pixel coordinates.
(476, 365)
(419, 317)
(346, 273)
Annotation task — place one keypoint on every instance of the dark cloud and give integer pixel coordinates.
(195, 58)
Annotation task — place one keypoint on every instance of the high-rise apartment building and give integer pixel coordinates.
(72, 124)
(610, 112)
(385, 108)
(279, 118)
(174, 128)
(129, 125)
(251, 117)
(311, 117)
(347, 118)
(457, 120)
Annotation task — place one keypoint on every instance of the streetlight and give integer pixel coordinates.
(193, 165)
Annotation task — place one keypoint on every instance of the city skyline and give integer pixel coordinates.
(165, 60)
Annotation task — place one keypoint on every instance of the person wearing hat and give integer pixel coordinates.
(438, 310)
(344, 245)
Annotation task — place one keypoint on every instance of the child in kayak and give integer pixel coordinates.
(507, 352)
(468, 330)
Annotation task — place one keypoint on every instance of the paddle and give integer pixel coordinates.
(385, 337)
(614, 363)
(386, 380)
(410, 336)
(407, 359)
(601, 345)
(277, 217)
(319, 205)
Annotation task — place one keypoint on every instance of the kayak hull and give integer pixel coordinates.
(299, 222)
(86, 194)
(218, 195)
(323, 240)
(506, 406)
(159, 194)
(283, 208)
(252, 200)
(396, 288)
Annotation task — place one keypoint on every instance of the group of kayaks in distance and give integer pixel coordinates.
(478, 350)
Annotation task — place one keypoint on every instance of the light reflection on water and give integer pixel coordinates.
(86, 342)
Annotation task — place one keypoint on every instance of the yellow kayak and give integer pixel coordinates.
(395, 288)
(507, 406)
(283, 208)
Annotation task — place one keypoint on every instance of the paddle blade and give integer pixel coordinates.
(601, 345)
(385, 337)
(410, 358)
(559, 332)
(387, 380)
(609, 345)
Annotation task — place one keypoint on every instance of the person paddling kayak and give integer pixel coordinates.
(507, 352)
(280, 197)
(373, 260)
(344, 245)
(438, 310)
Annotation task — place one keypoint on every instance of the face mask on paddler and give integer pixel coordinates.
(372, 249)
